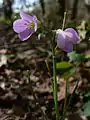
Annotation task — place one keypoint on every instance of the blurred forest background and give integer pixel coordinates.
(26, 67)
(77, 11)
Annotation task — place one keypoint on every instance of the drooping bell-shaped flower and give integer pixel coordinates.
(67, 38)
(25, 26)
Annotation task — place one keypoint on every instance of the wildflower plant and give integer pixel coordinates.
(66, 39)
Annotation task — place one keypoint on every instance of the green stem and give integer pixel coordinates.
(55, 89)
(66, 87)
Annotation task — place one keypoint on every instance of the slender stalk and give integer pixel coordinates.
(55, 89)
(66, 87)
(64, 20)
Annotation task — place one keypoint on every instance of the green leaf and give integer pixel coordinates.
(87, 56)
(10, 56)
(87, 69)
(73, 56)
(63, 65)
(70, 72)
(86, 108)
(87, 94)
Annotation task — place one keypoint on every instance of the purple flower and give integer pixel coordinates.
(25, 26)
(67, 38)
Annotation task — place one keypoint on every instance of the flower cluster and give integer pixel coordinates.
(27, 25)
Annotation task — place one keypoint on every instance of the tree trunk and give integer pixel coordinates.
(7, 8)
(74, 10)
(62, 7)
(42, 4)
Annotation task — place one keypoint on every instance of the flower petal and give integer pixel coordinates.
(68, 46)
(19, 25)
(26, 17)
(26, 34)
(75, 37)
(35, 19)
(69, 36)
(61, 39)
